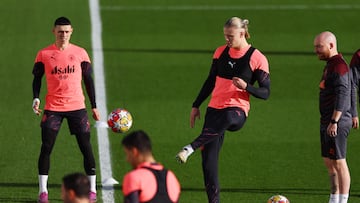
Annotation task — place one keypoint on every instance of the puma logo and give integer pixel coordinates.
(231, 64)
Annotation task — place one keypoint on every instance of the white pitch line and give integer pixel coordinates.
(234, 7)
(102, 133)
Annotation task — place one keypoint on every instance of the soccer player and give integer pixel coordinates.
(236, 66)
(355, 63)
(75, 188)
(65, 65)
(336, 116)
(149, 181)
(355, 69)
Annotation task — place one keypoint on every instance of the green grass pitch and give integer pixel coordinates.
(157, 55)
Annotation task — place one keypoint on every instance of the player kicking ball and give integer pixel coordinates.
(235, 68)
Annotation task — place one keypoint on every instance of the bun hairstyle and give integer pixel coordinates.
(238, 23)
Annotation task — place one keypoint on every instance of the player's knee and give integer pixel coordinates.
(46, 148)
(340, 165)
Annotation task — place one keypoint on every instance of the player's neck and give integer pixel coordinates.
(333, 53)
(61, 46)
(82, 200)
(146, 158)
(242, 44)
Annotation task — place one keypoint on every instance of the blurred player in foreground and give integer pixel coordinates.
(235, 68)
(65, 65)
(149, 181)
(75, 188)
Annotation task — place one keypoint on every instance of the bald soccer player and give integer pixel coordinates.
(336, 114)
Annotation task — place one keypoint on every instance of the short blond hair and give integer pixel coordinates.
(238, 23)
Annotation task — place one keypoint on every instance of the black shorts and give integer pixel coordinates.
(334, 147)
(78, 120)
(220, 120)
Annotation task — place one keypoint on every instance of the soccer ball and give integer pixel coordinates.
(120, 120)
(278, 199)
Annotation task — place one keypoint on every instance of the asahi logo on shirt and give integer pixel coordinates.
(63, 73)
(66, 70)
